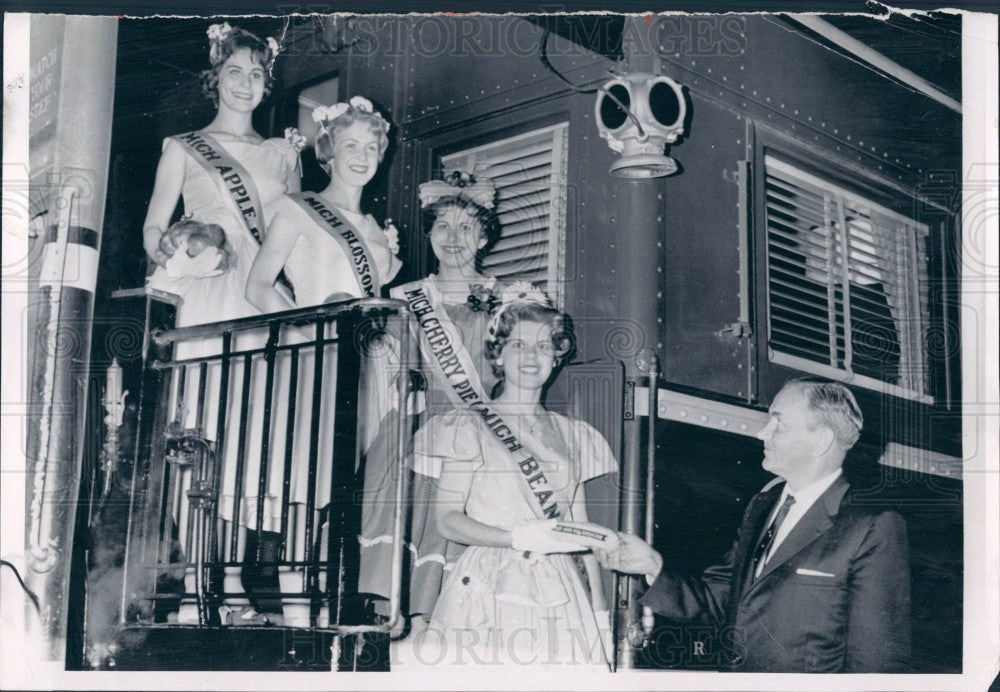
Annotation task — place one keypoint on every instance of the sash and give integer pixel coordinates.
(350, 239)
(237, 185)
(545, 500)
(448, 359)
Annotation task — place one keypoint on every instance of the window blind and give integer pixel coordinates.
(822, 238)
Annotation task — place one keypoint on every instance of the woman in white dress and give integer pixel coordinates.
(510, 487)
(239, 79)
(330, 251)
(350, 144)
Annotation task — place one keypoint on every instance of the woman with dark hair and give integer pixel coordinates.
(451, 308)
(191, 165)
(229, 176)
(510, 488)
(330, 251)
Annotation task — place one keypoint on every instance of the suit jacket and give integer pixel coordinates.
(834, 596)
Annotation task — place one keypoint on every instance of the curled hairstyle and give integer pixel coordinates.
(487, 218)
(527, 311)
(834, 406)
(326, 137)
(237, 39)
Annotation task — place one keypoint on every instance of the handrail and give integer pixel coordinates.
(165, 499)
(293, 316)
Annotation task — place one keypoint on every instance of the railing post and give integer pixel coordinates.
(148, 446)
(344, 524)
(161, 435)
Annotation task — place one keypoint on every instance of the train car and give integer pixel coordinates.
(720, 203)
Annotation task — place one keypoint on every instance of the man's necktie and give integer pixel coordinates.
(767, 540)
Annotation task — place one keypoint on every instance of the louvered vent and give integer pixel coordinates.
(821, 238)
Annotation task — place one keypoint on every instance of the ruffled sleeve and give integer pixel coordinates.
(592, 452)
(450, 438)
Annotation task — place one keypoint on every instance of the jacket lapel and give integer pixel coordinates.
(813, 524)
(751, 531)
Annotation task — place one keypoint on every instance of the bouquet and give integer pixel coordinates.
(196, 249)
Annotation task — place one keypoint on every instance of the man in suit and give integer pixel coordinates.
(813, 582)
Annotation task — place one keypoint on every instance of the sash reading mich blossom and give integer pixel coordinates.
(447, 356)
(237, 185)
(350, 238)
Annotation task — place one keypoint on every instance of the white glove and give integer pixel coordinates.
(538, 536)
(603, 618)
(201, 266)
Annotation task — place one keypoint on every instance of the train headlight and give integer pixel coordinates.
(646, 114)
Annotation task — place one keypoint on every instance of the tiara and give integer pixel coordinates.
(217, 33)
(459, 183)
(517, 292)
(324, 115)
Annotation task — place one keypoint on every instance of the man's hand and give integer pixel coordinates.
(632, 556)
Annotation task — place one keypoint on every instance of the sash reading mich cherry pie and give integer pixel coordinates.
(452, 365)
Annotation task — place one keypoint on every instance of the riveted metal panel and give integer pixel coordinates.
(701, 228)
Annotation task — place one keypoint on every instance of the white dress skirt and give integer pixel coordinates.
(318, 268)
(271, 163)
(500, 605)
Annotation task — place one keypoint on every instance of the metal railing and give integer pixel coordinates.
(260, 435)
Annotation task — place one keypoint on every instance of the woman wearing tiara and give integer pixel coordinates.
(451, 309)
(330, 251)
(511, 488)
(228, 175)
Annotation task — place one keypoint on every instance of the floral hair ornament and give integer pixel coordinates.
(517, 292)
(324, 115)
(459, 184)
(391, 234)
(217, 33)
(297, 141)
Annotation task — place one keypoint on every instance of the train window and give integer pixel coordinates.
(847, 285)
(529, 171)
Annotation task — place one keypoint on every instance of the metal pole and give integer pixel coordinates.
(74, 144)
(876, 59)
(652, 367)
(639, 222)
